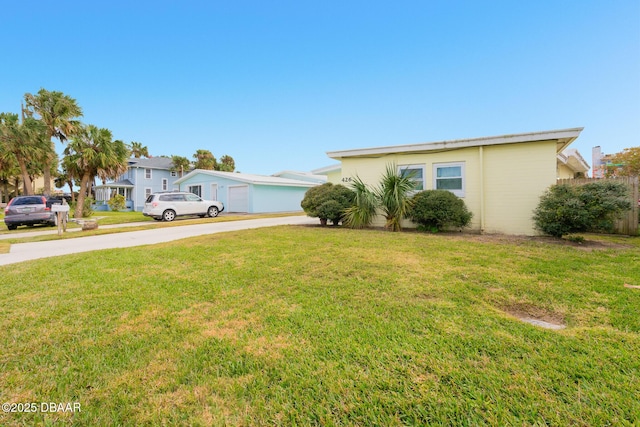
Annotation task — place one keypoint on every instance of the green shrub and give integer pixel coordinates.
(86, 207)
(331, 210)
(327, 202)
(117, 203)
(435, 210)
(566, 209)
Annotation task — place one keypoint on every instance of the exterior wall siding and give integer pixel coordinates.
(205, 181)
(514, 177)
(262, 198)
(277, 199)
(140, 182)
(564, 172)
(334, 177)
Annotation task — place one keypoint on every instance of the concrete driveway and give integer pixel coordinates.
(27, 251)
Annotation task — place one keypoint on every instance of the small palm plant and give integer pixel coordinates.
(392, 196)
(365, 205)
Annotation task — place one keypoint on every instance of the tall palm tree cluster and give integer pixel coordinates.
(27, 147)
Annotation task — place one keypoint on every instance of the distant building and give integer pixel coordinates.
(601, 163)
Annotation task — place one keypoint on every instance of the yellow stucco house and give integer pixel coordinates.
(500, 178)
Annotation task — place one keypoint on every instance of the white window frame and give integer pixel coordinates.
(147, 192)
(165, 184)
(199, 194)
(174, 174)
(458, 192)
(402, 168)
(147, 173)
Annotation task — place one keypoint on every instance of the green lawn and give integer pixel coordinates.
(104, 218)
(327, 326)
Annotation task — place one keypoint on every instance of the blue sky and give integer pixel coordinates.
(277, 84)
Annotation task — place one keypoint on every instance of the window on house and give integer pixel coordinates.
(449, 176)
(196, 189)
(416, 172)
(147, 192)
(147, 173)
(174, 174)
(165, 184)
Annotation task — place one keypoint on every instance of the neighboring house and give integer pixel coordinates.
(571, 165)
(500, 178)
(8, 190)
(302, 176)
(143, 177)
(603, 164)
(246, 193)
(333, 173)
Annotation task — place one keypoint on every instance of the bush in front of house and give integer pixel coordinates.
(566, 209)
(116, 203)
(327, 202)
(435, 210)
(86, 207)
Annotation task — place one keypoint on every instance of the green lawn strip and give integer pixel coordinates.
(150, 225)
(324, 326)
(105, 218)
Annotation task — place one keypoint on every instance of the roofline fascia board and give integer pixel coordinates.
(242, 179)
(565, 136)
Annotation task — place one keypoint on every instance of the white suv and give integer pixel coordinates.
(167, 206)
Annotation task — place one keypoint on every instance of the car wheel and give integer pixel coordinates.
(168, 215)
(12, 227)
(212, 212)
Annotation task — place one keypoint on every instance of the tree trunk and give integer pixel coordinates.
(27, 186)
(6, 191)
(73, 195)
(81, 195)
(47, 178)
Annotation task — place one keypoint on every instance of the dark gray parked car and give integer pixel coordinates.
(28, 210)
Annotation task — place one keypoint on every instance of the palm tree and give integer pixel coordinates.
(394, 196)
(205, 160)
(58, 112)
(70, 173)
(180, 164)
(26, 141)
(226, 164)
(9, 169)
(137, 150)
(94, 153)
(363, 211)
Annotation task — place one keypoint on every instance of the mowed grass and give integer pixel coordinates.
(326, 326)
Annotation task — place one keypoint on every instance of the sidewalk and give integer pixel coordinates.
(54, 230)
(28, 251)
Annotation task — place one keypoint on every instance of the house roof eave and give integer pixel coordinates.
(249, 179)
(563, 138)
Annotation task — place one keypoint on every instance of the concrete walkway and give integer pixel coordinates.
(28, 251)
